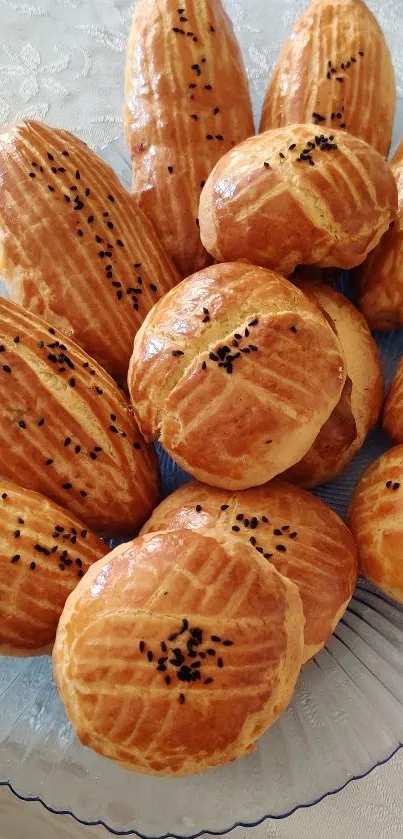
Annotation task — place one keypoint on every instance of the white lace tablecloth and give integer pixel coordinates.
(62, 61)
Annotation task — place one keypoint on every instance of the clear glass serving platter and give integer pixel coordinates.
(346, 716)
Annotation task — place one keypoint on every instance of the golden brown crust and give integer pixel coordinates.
(67, 430)
(152, 604)
(264, 204)
(201, 80)
(44, 551)
(380, 278)
(376, 520)
(357, 413)
(331, 71)
(73, 242)
(392, 421)
(302, 537)
(286, 374)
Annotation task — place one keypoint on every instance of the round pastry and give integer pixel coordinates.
(235, 371)
(358, 410)
(376, 520)
(380, 278)
(295, 196)
(44, 552)
(76, 248)
(295, 531)
(392, 421)
(167, 664)
(67, 430)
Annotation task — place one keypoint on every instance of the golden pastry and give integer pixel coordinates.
(235, 371)
(67, 430)
(186, 103)
(357, 412)
(376, 520)
(298, 534)
(335, 71)
(74, 247)
(296, 196)
(44, 551)
(168, 669)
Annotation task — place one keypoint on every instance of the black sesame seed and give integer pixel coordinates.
(228, 643)
(67, 485)
(216, 639)
(41, 421)
(120, 243)
(281, 548)
(293, 535)
(150, 655)
(224, 506)
(236, 528)
(198, 508)
(16, 557)
(395, 487)
(48, 462)
(220, 662)
(32, 566)
(6, 368)
(181, 698)
(72, 382)
(22, 424)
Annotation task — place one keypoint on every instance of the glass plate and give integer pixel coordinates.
(347, 712)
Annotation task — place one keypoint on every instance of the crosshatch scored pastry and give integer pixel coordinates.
(335, 71)
(298, 534)
(165, 667)
(392, 421)
(186, 103)
(296, 196)
(44, 551)
(74, 247)
(67, 430)
(376, 520)
(357, 413)
(380, 278)
(235, 371)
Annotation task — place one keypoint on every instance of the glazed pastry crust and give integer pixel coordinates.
(108, 644)
(201, 79)
(292, 529)
(286, 375)
(73, 243)
(39, 567)
(67, 430)
(264, 204)
(335, 40)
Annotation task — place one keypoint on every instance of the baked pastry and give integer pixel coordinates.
(392, 421)
(167, 669)
(297, 197)
(67, 430)
(235, 371)
(336, 71)
(186, 103)
(376, 520)
(44, 551)
(75, 248)
(357, 412)
(298, 534)
(380, 278)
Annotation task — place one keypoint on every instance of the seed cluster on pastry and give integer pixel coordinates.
(199, 312)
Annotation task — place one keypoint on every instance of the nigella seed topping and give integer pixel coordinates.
(198, 508)
(224, 506)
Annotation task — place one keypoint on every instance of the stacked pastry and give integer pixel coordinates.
(251, 382)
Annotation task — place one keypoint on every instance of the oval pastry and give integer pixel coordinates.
(235, 371)
(44, 551)
(298, 534)
(376, 520)
(186, 103)
(75, 248)
(357, 412)
(67, 430)
(296, 196)
(331, 71)
(165, 667)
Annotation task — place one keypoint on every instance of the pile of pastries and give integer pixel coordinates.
(199, 311)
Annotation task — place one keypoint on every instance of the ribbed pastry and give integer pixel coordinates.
(74, 246)
(376, 520)
(235, 371)
(357, 413)
(265, 203)
(177, 651)
(380, 278)
(335, 71)
(44, 551)
(67, 430)
(186, 103)
(392, 421)
(298, 534)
